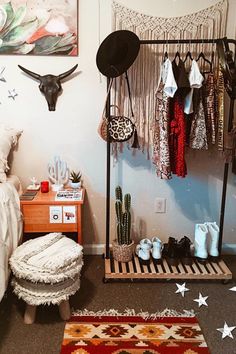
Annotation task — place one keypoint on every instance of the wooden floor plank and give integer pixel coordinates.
(195, 268)
(108, 265)
(166, 266)
(131, 267)
(152, 267)
(137, 265)
(123, 267)
(217, 268)
(116, 266)
(181, 268)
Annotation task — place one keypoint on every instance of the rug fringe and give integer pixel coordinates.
(131, 312)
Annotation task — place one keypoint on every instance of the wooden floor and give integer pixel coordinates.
(135, 270)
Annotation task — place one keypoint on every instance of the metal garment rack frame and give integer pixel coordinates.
(226, 167)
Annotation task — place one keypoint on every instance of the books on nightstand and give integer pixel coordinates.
(64, 195)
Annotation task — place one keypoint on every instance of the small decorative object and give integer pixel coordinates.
(12, 94)
(44, 187)
(226, 331)
(233, 288)
(34, 186)
(181, 289)
(201, 300)
(75, 179)
(50, 85)
(58, 173)
(123, 246)
(2, 78)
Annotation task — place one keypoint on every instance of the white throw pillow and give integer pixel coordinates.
(8, 139)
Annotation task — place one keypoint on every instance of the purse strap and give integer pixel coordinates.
(108, 92)
(129, 92)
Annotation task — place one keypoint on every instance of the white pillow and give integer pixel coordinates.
(8, 139)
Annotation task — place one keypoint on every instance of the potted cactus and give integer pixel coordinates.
(123, 246)
(75, 179)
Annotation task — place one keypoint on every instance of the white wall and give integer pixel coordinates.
(70, 132)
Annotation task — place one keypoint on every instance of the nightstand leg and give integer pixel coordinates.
(64, 310)
(30, 313)
(79, 227)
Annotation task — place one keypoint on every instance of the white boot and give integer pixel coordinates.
(200, 241)
(213, 230)
(157, 247)
(143, 249)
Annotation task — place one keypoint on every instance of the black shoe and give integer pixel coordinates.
(170, 251)
(184, 250)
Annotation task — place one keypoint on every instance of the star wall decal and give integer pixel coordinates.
(1, 74)
(181, 289)
(226, 331)
(12, 94)
(201, 300)
(233, 288)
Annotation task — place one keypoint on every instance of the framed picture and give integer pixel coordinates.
(39, 27)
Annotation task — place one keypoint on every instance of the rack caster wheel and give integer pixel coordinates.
(105, 281)
(225, 281)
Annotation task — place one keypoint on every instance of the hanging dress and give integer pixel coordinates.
(198, 132)
(211, 108)
(177, 137)
(166, 88)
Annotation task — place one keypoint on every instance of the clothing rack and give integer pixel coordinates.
(226, 274)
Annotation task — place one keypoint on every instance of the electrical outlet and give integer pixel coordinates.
(160, 205)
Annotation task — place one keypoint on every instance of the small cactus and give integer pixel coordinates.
(123, 219)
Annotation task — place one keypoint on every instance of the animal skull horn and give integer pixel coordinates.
(30, 73)
(50, 85)
(67, 73)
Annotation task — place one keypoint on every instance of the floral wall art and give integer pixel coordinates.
(39, 27)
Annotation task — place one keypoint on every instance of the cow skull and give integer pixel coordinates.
(50, 85)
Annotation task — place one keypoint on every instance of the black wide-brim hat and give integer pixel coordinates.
(117, 53)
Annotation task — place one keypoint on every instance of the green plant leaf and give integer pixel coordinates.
(10, 13)
(20, 34)
(46, 43)
(22, 49)
(17, 20)
(3, 17)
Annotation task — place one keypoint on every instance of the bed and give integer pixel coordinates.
(10, 214)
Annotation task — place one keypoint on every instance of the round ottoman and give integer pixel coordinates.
(46, 271)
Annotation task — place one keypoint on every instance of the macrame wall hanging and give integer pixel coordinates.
(144, 73)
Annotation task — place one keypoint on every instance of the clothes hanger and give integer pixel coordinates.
(201, 55)
(188, 55)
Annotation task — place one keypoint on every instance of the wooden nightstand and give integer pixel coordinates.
(39, 214)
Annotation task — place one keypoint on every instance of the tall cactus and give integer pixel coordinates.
(123, 219)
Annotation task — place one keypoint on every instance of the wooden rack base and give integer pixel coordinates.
(135, 270)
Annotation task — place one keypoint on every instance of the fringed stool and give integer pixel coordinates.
(46, 271)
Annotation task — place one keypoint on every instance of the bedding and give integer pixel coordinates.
(8, 140)
(11, 226)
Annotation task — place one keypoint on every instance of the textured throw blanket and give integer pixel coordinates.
(10, 229)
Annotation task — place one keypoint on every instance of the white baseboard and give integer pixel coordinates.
(92, 249)
(229, 248)
(98, 249)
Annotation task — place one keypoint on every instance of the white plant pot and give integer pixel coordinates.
(76, 185)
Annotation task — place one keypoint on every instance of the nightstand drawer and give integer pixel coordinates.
(37, 219)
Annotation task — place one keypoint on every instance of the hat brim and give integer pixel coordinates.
(102, 59)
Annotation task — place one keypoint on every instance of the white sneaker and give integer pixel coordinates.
(157, 247)
(143, 249)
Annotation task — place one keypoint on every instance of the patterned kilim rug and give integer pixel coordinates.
(133, 335)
